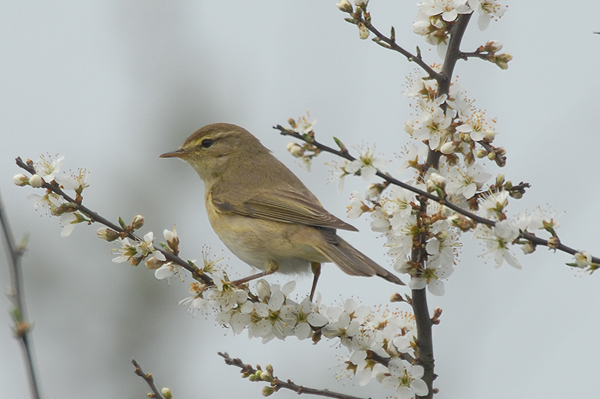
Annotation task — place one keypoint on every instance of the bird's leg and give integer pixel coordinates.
(252, 277)
(271, 268)
(316, 269)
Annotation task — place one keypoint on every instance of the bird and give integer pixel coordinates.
(263, 213)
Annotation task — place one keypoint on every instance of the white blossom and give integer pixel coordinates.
(405, 379)
(497, 240)
(487, 10)
(367, 164)
(467, 181)
(48, 166)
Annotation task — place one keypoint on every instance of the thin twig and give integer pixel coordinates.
(276, 384)
(17, 296)
(475, 54)
(149, 380)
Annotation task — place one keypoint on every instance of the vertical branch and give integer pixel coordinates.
(424, 350)
(419, 255)
(453, 52)
(452, 55)
(22, 327)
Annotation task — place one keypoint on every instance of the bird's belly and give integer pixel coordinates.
(267, 245)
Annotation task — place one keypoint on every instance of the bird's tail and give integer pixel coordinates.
(352, 261)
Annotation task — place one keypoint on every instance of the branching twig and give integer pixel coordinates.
(95, 217)
(276, 383)
(149, 380)
(392, 45)
(22, 326)
(476, 218)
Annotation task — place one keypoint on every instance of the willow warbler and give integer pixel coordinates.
(262, 212)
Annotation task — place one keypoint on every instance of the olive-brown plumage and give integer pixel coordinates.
(262, 212)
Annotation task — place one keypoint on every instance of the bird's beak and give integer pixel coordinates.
(180, 153)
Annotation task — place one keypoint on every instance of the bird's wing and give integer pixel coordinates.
(287, 206)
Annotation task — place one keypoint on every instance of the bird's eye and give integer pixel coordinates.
(207, 143)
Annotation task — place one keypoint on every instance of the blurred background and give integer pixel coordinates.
(111, 85)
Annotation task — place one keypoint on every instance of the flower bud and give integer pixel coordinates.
(268, 391)
(442, 236)
(448, 147)
(493, 46)
(344, 5)
(20, 180)
(172, 239)
(469, 158)
(396, 297)
(489, 135)
(138, 222)
(583, 259)
(502, 60)
(528, 247)
(263, 289)
(153, 263)
(438, 180)
(107, 234)
(499, 180)
(361, 3)
(374, 191)
(363, 32)
(516, 194)
(265, 376)
(167, 393)
(481, 153)
(36, 181)
(295, 149)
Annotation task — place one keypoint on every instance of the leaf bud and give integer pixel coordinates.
(553, 242)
